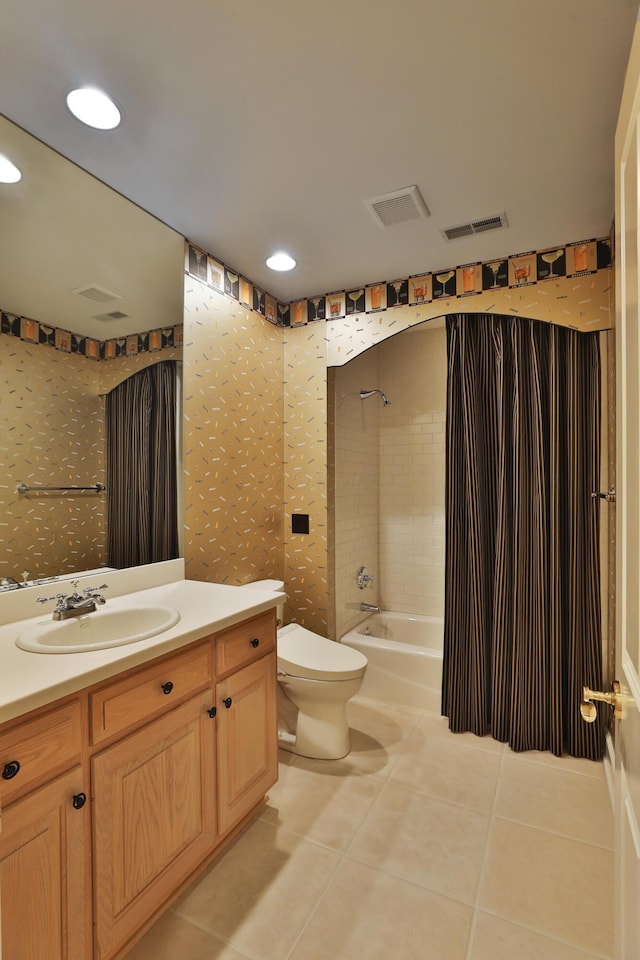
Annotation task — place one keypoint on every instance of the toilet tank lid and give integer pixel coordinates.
(276, 586)
(302, 653)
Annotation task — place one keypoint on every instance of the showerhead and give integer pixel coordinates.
(365, 394)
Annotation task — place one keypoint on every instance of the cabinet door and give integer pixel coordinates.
(44, 873)
(247, 739)
(153, 817)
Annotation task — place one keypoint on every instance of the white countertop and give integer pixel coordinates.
(30, 680)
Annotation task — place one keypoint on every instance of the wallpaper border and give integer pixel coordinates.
(582, 258)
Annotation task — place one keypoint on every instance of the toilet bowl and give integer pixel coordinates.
(316, 679)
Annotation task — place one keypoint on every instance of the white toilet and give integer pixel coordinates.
(316, 678)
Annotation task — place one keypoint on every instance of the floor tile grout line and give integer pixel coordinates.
(476, 905)
(588, 954)
(521, 757)
(439, 799)
(214, 937)
(554, 832)
(315, 908)
(404, 879)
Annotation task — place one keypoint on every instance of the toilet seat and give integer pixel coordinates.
(302, 653)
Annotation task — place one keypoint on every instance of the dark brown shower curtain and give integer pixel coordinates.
(142, 523)
(522, 600)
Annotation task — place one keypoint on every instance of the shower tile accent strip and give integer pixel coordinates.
(571, 281)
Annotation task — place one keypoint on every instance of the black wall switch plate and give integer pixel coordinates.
(299, 523)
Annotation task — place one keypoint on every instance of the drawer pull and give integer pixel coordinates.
(255, 642)
(10, 769)
(227, 702)
(167, 687)
(212, 712)
(79, 801)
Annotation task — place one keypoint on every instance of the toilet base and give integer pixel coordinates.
(321, 728)
(324, 736)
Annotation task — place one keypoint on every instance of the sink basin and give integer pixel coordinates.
(97, 630)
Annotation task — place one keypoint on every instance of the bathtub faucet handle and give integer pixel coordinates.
(363, 577)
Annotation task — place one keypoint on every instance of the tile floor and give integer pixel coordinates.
(420, 845)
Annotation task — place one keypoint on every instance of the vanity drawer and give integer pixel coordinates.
(245, 642)
(133, 699)
(37, 749)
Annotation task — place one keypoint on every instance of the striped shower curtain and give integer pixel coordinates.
(142, 521)
(522, 600)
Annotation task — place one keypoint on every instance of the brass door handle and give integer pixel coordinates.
(615, 699)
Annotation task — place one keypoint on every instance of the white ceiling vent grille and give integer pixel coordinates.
(399, 206)
(498, 222)
(99, 294)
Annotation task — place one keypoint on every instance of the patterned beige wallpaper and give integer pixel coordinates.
(305, 476)
(52, 434)
(233, 457)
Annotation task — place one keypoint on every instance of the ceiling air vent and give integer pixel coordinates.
(114, 315)
(498, 222)
(399, 206)
(99, 294)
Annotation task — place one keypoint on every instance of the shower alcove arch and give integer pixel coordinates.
(352, 338)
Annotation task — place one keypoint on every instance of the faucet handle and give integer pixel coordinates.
(56, 596)
(89, 590)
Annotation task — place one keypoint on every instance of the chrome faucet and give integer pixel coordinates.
(369, 608)
(74, 604)
(9, 583)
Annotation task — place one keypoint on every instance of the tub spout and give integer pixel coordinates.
(369, 608)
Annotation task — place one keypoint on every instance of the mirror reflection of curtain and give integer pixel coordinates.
(142, 521)
(522, 595)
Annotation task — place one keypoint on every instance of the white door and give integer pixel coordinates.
(627, 733)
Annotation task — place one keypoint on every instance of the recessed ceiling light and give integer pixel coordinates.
(94, 108)
(9, 173)
(281, 261)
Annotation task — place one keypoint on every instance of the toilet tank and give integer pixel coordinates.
(274, 586)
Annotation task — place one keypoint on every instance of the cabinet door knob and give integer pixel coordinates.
(212, 712)
(227, 702)
(167, 687)
(255, 642)
(79, 801)
(10, 769)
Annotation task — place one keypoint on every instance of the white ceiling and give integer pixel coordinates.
(252, 126)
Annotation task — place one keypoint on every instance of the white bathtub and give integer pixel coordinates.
(404, 654)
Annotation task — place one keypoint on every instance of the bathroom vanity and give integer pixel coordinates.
(126, 771)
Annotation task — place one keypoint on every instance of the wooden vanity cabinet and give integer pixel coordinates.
(153, 818)
(127, 790)
(45, 863)
(247, 739)
(153, 789)
(247, 734)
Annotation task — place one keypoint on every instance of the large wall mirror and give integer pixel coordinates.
(79, 265)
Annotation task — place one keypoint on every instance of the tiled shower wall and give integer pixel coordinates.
(355, 478)
(389, 475)
(413, 373)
